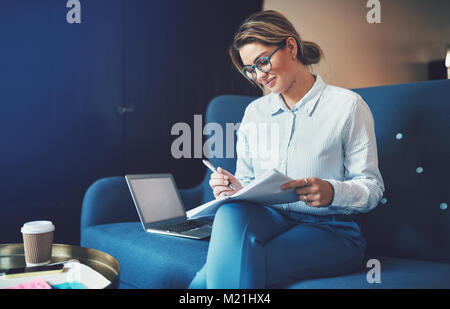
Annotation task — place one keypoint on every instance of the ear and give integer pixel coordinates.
(291, 44)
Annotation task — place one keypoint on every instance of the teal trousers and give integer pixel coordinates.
(256, 246)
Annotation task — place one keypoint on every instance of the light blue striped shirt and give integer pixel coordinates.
(328, 134)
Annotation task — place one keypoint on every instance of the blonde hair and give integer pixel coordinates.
(271, 28)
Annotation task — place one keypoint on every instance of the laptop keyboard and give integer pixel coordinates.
(184, 226)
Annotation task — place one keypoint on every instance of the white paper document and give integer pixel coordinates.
(265, 190)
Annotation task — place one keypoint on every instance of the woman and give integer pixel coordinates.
(325, 141)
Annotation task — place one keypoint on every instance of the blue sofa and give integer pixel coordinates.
(408, 233)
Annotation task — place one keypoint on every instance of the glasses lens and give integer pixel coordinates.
(249, 73)
(263, 64)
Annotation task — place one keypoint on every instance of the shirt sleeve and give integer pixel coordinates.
(363, 186)
(244, 166)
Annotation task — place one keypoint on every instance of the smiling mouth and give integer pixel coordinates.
(269, 82)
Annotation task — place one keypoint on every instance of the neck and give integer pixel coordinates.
(301, 84)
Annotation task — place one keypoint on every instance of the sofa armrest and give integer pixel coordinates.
(107, 200)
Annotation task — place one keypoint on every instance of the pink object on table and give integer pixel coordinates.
(34, 284)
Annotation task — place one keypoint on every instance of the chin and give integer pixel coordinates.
(275, 89)
(279, 87)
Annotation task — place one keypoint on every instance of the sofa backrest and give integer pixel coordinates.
(226, 109)
(412, 125)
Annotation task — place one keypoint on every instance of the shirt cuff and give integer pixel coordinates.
(244, 182)
(342, 194)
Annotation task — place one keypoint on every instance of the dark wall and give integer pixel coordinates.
(61, 86)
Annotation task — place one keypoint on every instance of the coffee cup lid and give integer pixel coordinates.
(37, 227)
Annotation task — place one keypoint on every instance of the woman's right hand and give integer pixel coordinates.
(219, 183)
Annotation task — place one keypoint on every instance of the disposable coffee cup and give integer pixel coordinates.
(37, 242)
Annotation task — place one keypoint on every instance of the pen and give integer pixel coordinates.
(42, 267)
(212, 168)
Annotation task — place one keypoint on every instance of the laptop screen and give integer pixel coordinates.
(156, 198)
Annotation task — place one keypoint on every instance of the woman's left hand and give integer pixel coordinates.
(312, 191)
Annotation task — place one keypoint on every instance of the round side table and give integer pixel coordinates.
(12, 256)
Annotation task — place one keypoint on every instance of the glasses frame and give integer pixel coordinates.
(252, 67)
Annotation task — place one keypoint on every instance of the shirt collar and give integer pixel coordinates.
(306, 105)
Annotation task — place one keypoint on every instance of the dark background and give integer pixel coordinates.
(61, 86)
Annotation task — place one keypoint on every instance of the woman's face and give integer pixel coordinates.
(282, 75)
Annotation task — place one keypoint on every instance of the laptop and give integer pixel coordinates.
(161, 209)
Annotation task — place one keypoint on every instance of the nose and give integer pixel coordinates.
(260, 76)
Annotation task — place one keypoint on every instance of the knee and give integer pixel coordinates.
(234, 212)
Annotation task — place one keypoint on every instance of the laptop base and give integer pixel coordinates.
(198, 233)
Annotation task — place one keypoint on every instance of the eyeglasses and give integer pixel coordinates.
(263, 64)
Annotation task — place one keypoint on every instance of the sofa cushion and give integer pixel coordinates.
(158, 261)
(148, 260)
(395, 273)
